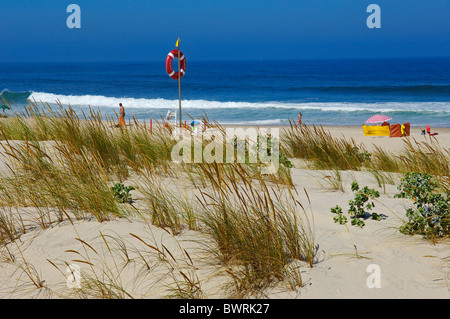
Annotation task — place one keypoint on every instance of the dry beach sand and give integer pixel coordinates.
(410, 266)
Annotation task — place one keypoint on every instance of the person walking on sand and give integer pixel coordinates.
(299, 119)
(122, 115)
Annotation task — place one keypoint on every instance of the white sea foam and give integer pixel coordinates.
(259, 122)
(142, 103)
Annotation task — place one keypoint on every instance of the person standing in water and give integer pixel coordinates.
(122, 115)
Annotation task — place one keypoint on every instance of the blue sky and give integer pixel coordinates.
(139, 30)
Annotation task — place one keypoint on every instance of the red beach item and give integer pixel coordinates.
(169, 69)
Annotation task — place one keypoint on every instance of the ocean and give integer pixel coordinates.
(327, 92)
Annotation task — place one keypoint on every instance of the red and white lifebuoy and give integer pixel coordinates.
(169, 69)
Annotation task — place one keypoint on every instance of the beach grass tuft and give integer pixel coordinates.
(322, 149)
(256, 231)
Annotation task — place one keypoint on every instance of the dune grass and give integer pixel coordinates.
(257, 227)
(327, 152)
(427, 156)
(63, 181)
(322, 149)
(167, 209)
(257, 230)
(11, 225)
(115, 148)
(108, 259)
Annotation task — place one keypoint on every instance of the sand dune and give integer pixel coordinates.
(409, 266)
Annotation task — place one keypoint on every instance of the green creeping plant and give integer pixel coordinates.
(358, 206)
(122, 193)
(431, 214)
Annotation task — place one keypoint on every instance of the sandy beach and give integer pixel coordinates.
(147, 261)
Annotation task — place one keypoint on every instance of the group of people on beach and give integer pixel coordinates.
(122, 116)
(299, 122)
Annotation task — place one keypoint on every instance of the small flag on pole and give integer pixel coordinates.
(178, 41)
